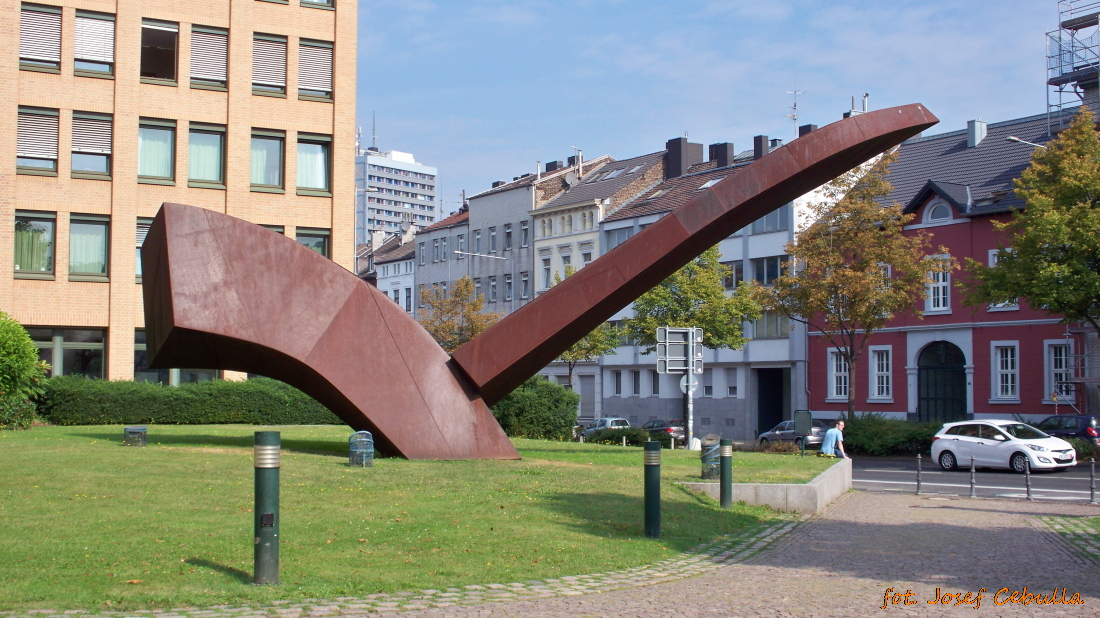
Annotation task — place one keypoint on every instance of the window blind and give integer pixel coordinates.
(95, 39)
(209, 51)
(92, 135)
(40, 35)
(269, 62)
(142, 232)
(315, 68)
(37, 136)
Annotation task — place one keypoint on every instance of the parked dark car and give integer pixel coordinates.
(784, 432)
(1072, 426)
(672, 428)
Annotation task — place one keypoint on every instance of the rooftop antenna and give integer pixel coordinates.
(374, 130)
(794, 108)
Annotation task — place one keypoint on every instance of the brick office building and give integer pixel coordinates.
(112, 108)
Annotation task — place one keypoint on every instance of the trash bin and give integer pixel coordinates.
(134, 436)
(361, 449)
(709, 455)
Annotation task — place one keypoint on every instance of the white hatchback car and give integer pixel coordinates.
(1000, 444)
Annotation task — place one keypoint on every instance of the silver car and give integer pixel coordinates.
(784, 432)
(610, 422)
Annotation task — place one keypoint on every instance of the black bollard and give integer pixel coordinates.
(972, 494)
(918, 474)
(1027, 477)
(266, 509)
(725, 455)
(653, 489)
(1092, 481)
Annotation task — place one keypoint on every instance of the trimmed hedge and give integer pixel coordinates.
(872, 434)
(74, 400)
(635, 436)
(538, 409)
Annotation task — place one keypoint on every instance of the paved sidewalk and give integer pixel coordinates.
(841, 563)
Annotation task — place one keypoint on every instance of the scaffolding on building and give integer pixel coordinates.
(1073, 61)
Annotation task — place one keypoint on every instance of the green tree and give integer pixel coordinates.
(604, 339)
(1054, 255)
(454, 318)
(538, 409)
(21, 374)
(695, 296)
(853, 266)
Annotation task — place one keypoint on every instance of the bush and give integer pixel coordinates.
(538, 409)
(1085, 449)
(21, 375)
(634, 437)
(873, 434)
(74, 400)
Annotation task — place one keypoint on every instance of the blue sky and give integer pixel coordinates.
(482, 89)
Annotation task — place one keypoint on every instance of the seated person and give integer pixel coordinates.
(833, 444)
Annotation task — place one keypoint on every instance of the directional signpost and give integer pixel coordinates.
(680, 351)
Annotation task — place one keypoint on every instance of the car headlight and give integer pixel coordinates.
(1036, 447)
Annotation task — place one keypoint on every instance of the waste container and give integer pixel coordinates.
(361, 449)
(134, 436)
(709, 455)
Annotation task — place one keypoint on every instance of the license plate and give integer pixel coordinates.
(1063, 461)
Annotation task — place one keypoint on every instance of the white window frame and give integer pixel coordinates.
(834, 358)
(941, 280)
(731, 385)
(1049, 383)
(875, 392)
(998, 370)
(932, 205)
(1000, 306)
(617, 382)
(654, 383)
(636, 383)
(708, 382)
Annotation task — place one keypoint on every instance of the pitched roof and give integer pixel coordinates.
(459, 217)
(607, 180)
(975, 180)
(670, 194)
(393, 250)
(530, 179)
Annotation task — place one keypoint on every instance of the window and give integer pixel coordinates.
(654, 383)
(735, 274)
(524, 234)
(547, 279)
(566, 262)
(209, 57)
(636, 383)
(267, 160)
(269, 65)
(881, 387)
(1005, 371)
(477, 288)
(730, 422)
(705, 421)
(508, 287)
(618, 237)
(94, 44)
(408, 299)
(775, 221)
(435, 250)
(708, 383)
(316, 239)
(1059, 371)
(524, 285)
(91, 145)
(443, 249)
(460, 240)
(766, 270)
(36, 151)
(313, 164)
(40, 38)
(422, 294)
(158, 51)
(142, 372)
(88, 248)
(1012, 305)
(156, 151)
(508, 237)
(477, 241)
(939, 291)
(318, 4)
(710, 183)
(314, 70)
(70, 351)
(492, 240)
(143, 225)
(617, 378)
(772, 325)
(423, 253)
(206, 152)
(937, 212)
(838, 376)
(492, 289)
(586, 258)
(731, 382)
(34, 244)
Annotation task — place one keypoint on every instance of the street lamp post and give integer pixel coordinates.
(512, 295)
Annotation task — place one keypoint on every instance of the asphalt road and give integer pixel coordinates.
(900, 475)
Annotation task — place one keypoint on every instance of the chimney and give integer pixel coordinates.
(571, 161)
(774, 143)
(377, 237)
(759, 146)
(682, 154)
(722, 154)
(497, 183)
(975, 132)
(806, 129)
(553, 165)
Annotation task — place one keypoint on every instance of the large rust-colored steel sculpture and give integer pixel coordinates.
(227, 294)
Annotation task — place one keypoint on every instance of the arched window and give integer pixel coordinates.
(937, 212)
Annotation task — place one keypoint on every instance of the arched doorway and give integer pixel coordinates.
(941, 383)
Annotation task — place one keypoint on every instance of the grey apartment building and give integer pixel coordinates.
(391, 188)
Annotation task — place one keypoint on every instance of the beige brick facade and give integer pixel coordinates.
(115, 305)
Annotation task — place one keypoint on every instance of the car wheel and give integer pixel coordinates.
(1018, 463)
(947, 461)
(798, 443)
(763, 443)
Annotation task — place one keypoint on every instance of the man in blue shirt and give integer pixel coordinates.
(833, 444)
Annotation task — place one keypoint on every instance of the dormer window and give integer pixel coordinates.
(937, 212)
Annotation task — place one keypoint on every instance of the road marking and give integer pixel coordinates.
(937, 471)
(1061, 491)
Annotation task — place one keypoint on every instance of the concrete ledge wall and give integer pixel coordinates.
(811, 497)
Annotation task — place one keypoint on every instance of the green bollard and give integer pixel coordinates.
(653, 489)
(725, 456)
(266, 511)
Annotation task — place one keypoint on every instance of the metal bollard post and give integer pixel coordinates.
(1027, 478)
(653, 489)
(972, 494)
(725, 474)
(624, 440)
(1092, 481)
(918, 473)
(266, 511)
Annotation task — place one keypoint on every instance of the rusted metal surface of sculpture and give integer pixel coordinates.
(227, 294)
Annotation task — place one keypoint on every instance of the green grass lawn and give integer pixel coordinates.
(87, 523)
